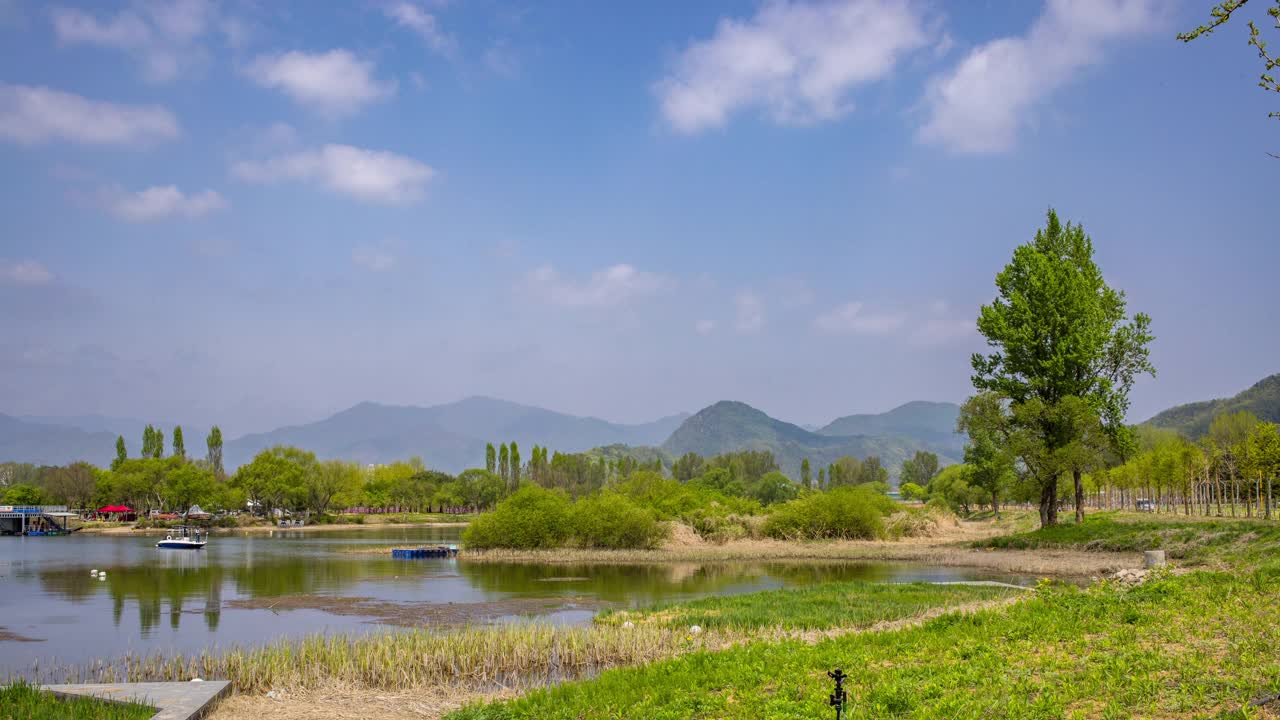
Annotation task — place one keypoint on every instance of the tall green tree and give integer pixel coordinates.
(514, 452)
(490, 458)
(805, 474)
(919, 469)
(179, 447)
(1059, 331)
(504, 465)
(214, 445)
(122, 453)
(1264, 459)
(157, 447)
(148, 441)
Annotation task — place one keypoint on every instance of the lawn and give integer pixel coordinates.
(1195, 539)
(1196, 646)
(21, 701)
(855, 604)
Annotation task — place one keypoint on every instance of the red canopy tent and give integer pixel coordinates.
(121, 510)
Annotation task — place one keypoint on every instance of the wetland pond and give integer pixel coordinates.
(246, 590)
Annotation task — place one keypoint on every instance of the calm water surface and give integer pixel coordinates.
(181, 601)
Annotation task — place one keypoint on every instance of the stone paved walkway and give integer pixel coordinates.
(172, 700)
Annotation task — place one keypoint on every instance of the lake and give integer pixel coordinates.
(251, 589)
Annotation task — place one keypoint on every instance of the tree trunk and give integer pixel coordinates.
(995, 503)
(1268, 498)
(1049, 503)
(1079, 483)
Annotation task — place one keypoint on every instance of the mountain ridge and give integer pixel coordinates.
(1193, 419)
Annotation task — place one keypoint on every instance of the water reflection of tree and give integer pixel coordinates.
(152, 588)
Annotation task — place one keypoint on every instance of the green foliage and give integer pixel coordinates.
(952, 486)
(531, 518)
(23, 495)
(611, 520)
(21, 701)
(919, 469)
(213, 443)
(278, 478)
(1060, 335)
(179, 445)
(773, 488)
(912, 491)
(844, 513)
(122, 453)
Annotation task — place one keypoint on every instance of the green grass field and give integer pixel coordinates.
(21, 701)
(855, 604)
(1194, 539)
(1196, 644)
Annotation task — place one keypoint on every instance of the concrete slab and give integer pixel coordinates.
(172, 700)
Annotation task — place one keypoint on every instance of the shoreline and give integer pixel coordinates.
(269, 529)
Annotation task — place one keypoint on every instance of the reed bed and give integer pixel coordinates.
(477, 658)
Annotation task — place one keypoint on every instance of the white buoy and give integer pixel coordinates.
(695, 629)
(102, 575)
(93, 573)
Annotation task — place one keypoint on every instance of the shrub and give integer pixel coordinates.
(845, 513)
(610, 520)
(531, 518)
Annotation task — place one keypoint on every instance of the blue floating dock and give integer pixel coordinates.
(425, 552)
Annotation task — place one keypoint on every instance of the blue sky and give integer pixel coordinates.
(256, 213)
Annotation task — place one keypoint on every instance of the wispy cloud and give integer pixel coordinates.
(31, 115)
(855, 317)
(334, 82)
(981, 105)
(611, 286)
(163, 34)
(424, 24)
(797, 61)
(24, 272)
(704, 327)
(156, 203)
(748, 312)
(368, 175)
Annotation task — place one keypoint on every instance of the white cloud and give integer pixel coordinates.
(373, 258)
(502, 59)
(605, 288)
(704, 327)
(24, 272)
(159, 202)
(369, 175)
(162, 34)
(424, 24)
(30, 115)
(749, 312)
(982, 104)
(797, 61)
(939, 330)
(854, 318)
(335, 82)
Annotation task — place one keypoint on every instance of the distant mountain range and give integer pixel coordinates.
(43, 444)
(893, 436)
(450, 437)
(1193, 419)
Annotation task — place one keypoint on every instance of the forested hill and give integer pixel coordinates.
(729, 426)
(43, 444)
(448, 437)
(919, 420)
(1192, 419)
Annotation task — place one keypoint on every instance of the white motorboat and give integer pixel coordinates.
(187, 538)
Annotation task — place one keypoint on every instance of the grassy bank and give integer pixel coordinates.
(1198, 645)
(856, 604)
(1194, 644)
(1195, 540)
(21, 701)
(485, 658)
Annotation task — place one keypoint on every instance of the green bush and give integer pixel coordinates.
(610, 520)
(531, 518)
(844, 513)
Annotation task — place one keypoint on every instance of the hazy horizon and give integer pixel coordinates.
(229, 213)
